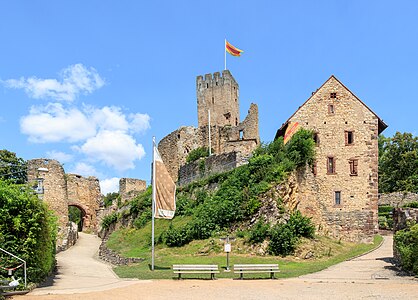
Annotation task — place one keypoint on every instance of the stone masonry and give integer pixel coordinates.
(219, 95)
(60, 190)
(340, 193)
(130, 187)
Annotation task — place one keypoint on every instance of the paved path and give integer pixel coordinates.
(371, 276)
(80, 271)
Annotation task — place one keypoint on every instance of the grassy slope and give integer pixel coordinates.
(136, 243)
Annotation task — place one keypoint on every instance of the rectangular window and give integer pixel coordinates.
(349, 137)
(331, 165)
(337, 198)
(316, 138)
(333, 95)
(353, 167)
(331, 109)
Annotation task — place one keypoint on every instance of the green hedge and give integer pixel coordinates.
(28, 230)
(406, 243)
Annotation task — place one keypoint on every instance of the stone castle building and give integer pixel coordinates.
(218, 117)
(340, 193)
(60, 190)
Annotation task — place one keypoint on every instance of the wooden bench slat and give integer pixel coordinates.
(196, 269)
(256, 268)
(195, 272)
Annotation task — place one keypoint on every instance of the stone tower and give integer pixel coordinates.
(220, 95)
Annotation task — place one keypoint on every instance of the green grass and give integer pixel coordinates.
(136, 243)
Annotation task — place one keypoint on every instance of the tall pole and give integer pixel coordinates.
(225, 53)
(210, 144)
(154, 188)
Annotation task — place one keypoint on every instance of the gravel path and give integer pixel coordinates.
(371, 276)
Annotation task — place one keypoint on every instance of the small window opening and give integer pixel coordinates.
(207, 85)
(236, 121)
(241, 134)
(353, 167)
(216, 83)
(337, 198)
(333, 95)
(213, 100)
(331, 165)
(316, 138)
(331, 109)
(349, 137)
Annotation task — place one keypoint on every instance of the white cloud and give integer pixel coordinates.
(76, 79)
(116, 149)
(110, 118)
(109, 185)
(54, 123)
(60, 156)
(85, 170)
(139, 122)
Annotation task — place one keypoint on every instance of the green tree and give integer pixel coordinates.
(12, 167)
(108, 199)
(398, 163)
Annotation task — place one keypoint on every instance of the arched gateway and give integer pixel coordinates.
(60, 190)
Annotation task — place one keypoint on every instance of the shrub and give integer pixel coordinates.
(282, 240)
(108, 199)
(197, 153)
(143, 219)
(177, 237)
(301, 225)
(28, 230)
(259, 232)
(109, 220)
(406, 243)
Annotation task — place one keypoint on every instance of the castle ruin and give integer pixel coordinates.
(218, 117)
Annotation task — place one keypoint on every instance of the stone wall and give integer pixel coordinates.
(52, 175)
(401, 218)
(205, 167)
(397, 199)
(129, 188)
(84, 193)
(59, 191)
(331, 117)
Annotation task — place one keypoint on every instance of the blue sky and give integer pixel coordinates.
(90, 82)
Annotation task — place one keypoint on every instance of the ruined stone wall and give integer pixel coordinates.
(205, 167)
(85, 194)
(397, 199)
(220, 95)
(129, 188)
(54, 190)
(355, 218)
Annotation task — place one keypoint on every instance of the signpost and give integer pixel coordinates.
(227, 249)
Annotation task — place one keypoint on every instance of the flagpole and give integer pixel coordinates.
(225, 53)
(153, 203)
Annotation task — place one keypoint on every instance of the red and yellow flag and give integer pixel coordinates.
(290, 131)
(232, 50)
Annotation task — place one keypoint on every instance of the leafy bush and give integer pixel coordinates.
(301, 225)
(143, 219)
(406, 243)
(177, 237)
(28, 230)
(108, 199)
(141, 202)
(259, 232)
(282, 240)
(195, 154)
(109, 220)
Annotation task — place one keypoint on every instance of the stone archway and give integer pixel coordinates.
(83, 217)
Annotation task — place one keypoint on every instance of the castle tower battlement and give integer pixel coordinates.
(220, 95)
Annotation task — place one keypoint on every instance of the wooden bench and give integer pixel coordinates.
(196, 269)
(261, 268)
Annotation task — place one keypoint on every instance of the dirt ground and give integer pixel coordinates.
(371, 276)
